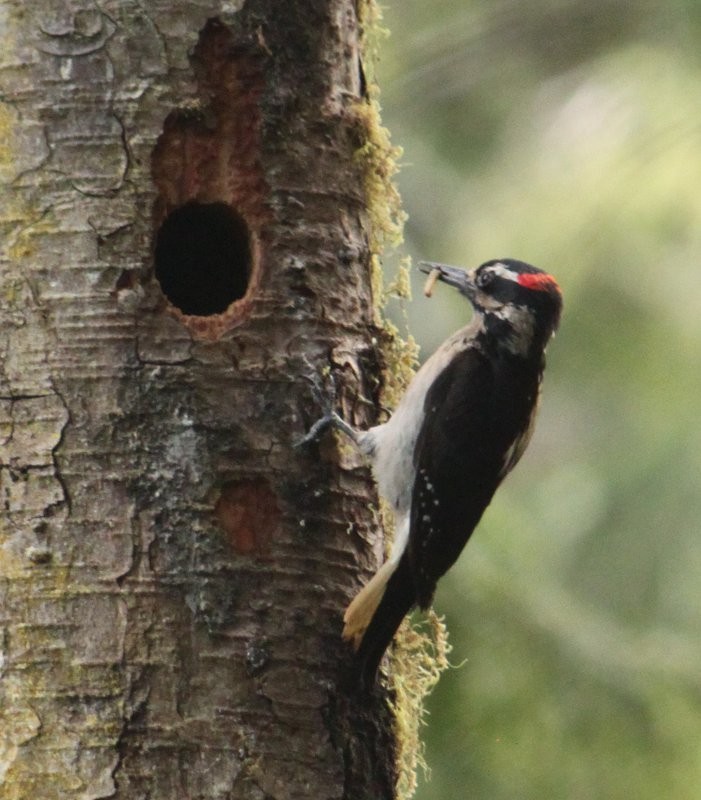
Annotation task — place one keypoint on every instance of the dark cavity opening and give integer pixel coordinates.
(203, 257)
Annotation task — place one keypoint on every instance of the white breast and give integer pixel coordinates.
(391, 446)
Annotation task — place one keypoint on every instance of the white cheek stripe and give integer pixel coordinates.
(504, 272)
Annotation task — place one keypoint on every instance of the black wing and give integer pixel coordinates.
(478, 417)
(477, 421)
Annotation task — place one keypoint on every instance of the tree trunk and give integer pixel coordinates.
(185, 241)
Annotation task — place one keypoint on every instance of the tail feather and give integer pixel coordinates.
(363, 606)
(388, 601)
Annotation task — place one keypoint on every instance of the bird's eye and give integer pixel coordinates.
(484, 279)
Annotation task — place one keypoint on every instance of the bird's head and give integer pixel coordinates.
(521, 303)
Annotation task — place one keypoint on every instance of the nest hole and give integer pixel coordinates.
(203, 257)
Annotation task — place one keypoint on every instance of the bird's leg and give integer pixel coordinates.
(330, 418)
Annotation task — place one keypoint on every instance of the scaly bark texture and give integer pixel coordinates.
(172, 571)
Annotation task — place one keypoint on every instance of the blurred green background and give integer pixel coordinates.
(568, 134)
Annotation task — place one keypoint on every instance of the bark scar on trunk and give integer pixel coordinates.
(249, 513)
(212, 195)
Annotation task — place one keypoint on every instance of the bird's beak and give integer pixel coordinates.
(463, 280)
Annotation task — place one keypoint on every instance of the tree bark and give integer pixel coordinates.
(185, 235)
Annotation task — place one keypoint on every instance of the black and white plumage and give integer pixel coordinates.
(463, 423)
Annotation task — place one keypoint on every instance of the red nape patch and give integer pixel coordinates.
(539, 281)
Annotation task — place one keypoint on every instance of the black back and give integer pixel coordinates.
(477, 413)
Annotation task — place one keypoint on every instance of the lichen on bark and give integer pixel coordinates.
(172, 570)
(420, 652)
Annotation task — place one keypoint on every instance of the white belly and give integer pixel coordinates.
(391, 446)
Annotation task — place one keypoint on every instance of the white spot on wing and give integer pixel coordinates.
(393, 443)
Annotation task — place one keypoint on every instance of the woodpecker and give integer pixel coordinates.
(460, 428)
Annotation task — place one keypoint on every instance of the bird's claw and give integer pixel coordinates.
(326, 399)
(318, 429)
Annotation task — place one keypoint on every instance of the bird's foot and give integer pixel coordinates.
(331, 420)
(326, 399)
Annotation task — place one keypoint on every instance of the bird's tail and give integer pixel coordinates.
(372, 618)
(362, 607)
